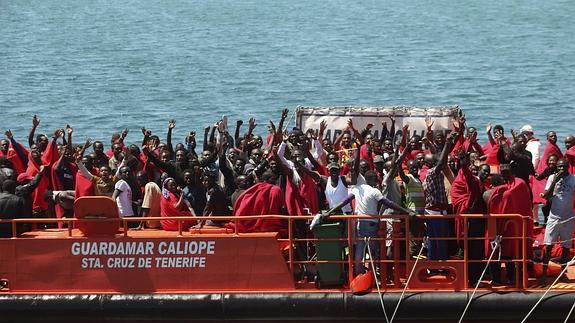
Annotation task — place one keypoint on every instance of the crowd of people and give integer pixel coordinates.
(302, 172)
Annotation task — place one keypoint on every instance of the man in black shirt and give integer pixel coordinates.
(11, 206)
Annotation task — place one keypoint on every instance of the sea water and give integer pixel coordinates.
(104, 65)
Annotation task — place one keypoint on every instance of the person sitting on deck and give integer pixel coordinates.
(172, 204)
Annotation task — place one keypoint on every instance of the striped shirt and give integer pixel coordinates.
(414, 197)
(434, 189)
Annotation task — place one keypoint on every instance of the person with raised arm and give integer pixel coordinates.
(41, 140)
(117, 138)
(368, 201)
(14, 152)
(344, 145)
(104, 183)
(173, 204)
(436, 202)
(518, 157)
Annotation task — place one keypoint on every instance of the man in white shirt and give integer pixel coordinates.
(123, 193)
(560, 189)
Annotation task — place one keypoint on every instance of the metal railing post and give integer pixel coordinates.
(465, 251)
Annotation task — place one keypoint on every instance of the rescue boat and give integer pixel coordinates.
(97, 268)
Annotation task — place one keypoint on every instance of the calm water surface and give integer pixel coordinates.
(103, 65)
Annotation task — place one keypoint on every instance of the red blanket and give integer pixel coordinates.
(492, 151)
(167, 209)
(18, 160)
(38, 202)
(50, 157)
(303, 196)
(466, 196)
(366, 155)
(538, 187)
(260, 199)
(511, 198)
(570, 156)
(84, 187)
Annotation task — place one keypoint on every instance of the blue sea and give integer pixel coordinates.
(104, 65)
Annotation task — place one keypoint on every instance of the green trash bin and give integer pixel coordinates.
(329, 274)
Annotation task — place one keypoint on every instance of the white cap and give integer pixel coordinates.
(527, 128)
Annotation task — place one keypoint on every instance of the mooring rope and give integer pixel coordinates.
(496, 245)
(570, 312)
(548, 289)
(367, 240)
(423, 243)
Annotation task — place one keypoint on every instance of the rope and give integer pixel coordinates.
(570, 312)
(423, 243)
(548, 289)
(367, 240)
(496, 246)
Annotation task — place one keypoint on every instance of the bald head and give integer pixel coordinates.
(430, 160)
(569, 142)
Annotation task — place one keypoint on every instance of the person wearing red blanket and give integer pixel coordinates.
(301, 189)
(512, 197)
(570, 153)
(467, 198)
(62, 168)
(491, 149)
(14, 152)
(264, 198)
(173, 203)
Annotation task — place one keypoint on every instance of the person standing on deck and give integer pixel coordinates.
(436, 202)
(560, 190)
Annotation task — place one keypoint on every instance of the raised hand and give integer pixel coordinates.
(35, 121)
(221, 126)
(272, 127)
(146, 132)
(285, 113)
(124, 133)
(322, 127)
(69, 130)
(239, 123)
(171, 124)
(473, 137)
(8, 134)
(452, 137)
(513, 134)
(58, 133)
(350, 124)
(428, 123)
(456, 124)
(88, 143)
(405, 128)
(488, 128)
(252, 124)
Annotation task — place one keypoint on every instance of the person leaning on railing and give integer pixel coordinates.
(368, 200)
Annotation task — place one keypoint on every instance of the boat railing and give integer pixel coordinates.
(394, 261)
